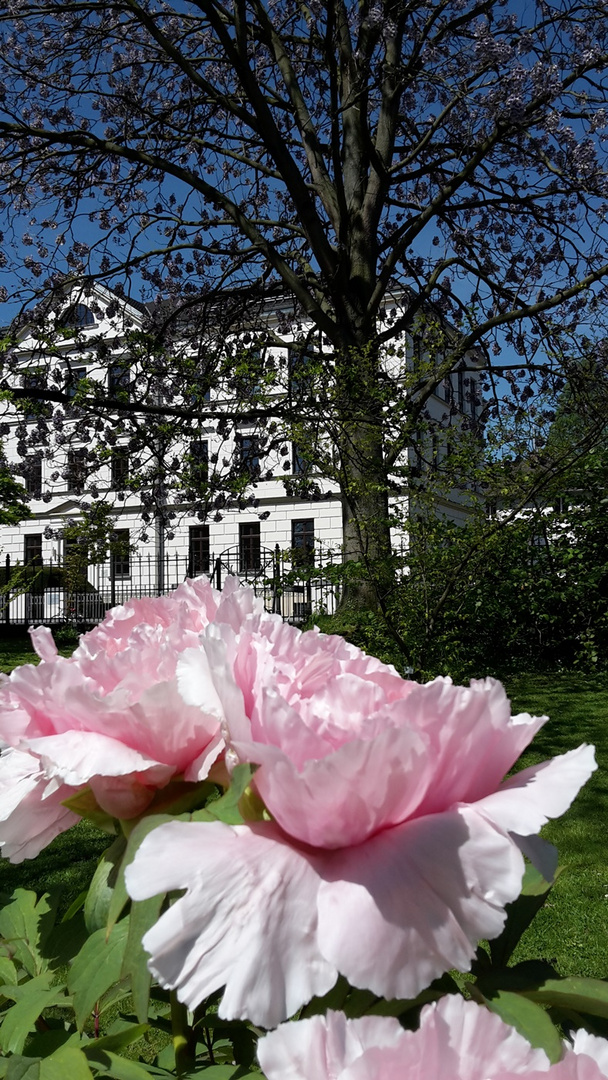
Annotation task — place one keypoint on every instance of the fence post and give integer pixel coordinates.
(218, 573)
(112, 580)
(276, 582)
(7, 598)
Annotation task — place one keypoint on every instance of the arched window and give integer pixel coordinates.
(77, 316)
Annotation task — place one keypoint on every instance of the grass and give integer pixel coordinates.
(572, 929)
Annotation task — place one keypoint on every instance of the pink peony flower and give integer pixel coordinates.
(110, 717)
(389, 845)
(456, 1040)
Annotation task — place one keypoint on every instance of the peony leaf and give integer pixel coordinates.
(25, 924)
(529, 1019)
(144, 914)
(226, 808)
(96, 968)
(23, 1068)
(31, 998)
(101, 889)
(573, 994)
(86, 806)
(120, 896)
(69, 1061)
(119, 1040)
(120, 1068)
(520, 913)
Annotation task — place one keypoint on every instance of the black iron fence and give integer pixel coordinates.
(70, 592)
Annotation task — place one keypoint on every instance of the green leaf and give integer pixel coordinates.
(574, 993)
(25, 924)
(86, 806)
(226, 809)
(520, 914)
(8, 971)
(96, 968)
(68, 1062)
(101, 889)
(143, 915)
(65, 940)
(120, 896)
(529, 1019)
(120, 1039)
(23, 1068)
(120, 1068)
(31, 998)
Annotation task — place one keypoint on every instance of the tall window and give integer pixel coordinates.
(198, 550)
(32, 474)
(119, 377)
(300, 374)
(249, 546)
(461, 390)
(303, 541)
(248, 447)
(77, 471)
(120, 554)
(32, 549)
(34, 380)
(119, 465)
(199, 463)
(73, 377)
(300, 466)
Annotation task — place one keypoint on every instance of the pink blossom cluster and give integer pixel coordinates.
(380, 840)
(456, 1040)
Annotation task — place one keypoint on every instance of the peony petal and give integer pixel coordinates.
(44, 643)
(413, 902)
(31, 810)
(456, 1040)
(527, 800)
(248, 919)
(76, 756)
(323, 1046)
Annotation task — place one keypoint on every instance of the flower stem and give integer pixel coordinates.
(182, 1037)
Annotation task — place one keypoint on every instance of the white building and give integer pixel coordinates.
(154, 550)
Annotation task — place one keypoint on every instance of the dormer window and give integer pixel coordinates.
(76, 317)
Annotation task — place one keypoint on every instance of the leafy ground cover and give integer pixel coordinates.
(572, 929)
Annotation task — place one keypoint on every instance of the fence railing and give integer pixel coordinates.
(70, 592)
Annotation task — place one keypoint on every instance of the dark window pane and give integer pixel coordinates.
(303, 541)
(249, 455)
(119, 377)
(199, 463)
(120, 469)
(249, 546)
(32, 473)
(35, 380)
(74, 376)
(301, 370)
(32, 548)
(198, 555)
(77, 315)
(120, 554)
(77, 471)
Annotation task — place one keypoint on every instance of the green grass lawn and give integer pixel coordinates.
(571, 931)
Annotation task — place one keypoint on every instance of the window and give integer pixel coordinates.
(119, 465)
(249, 546)
(77, 471)
(120, 554)
(448, 390)
(248, 371)
(303, 541)
(119, 377)
(300, 375)
(34, 380)
(76, 316)
(198, 550)
(299, 465)
(249, 455)
(32, 549)
(75, 563)
(199, 463)
(73, 378)
(461, 390)
(32, 473)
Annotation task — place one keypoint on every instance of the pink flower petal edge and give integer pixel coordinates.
(456, 1040)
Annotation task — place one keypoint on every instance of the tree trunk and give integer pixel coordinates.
(364, 488)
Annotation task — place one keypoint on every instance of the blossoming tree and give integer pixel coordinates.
(387, 166)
